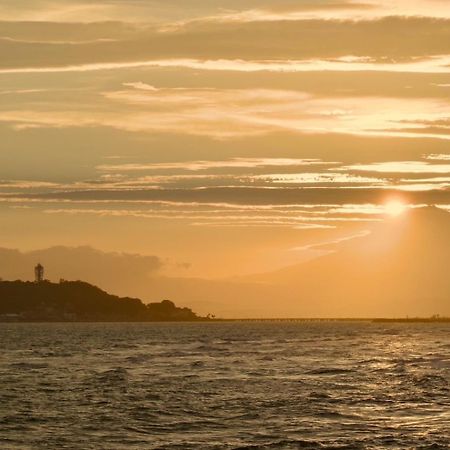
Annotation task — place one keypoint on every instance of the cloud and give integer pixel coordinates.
(22, 91)
(249, 163)
(246, 195)
(227, 113)
(293, 6)
(67, 11)
(432, 65)
(321, 178)
(438, 157)
(401, 167)
(27, 184)
(291, 10)
(85, 263)
(176, 11)
(388, 41)
(257, 219)
(141, 86)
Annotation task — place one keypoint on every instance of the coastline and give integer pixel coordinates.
(243, 320)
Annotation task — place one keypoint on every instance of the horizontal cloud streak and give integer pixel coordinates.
(229, 113)
(437, 64)
(387, 41)
(401, 167)
(249, 195)
(205, 165)
(168, 11)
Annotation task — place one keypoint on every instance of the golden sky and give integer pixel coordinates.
(222, 137)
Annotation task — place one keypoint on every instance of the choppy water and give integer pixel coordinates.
(225, 385)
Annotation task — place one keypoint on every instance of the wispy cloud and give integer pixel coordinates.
(27, 184)
(167, 11)
(433, 64)
(226, 113)
(225, 218)
(355, 10)
(320, 178)
(395, 44)
(401, 167)
(206, 165)
(438, 157)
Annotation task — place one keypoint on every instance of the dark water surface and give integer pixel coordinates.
(225, 386)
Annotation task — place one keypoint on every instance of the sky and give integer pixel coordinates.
(215, 139)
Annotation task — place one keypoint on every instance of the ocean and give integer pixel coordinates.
(225, 385)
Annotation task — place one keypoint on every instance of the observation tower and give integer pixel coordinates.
(39, 273)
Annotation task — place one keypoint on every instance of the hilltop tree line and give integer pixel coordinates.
(80, 301)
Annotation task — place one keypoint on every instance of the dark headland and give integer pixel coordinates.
(78, 301)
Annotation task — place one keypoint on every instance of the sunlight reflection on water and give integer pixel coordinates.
(225, 385)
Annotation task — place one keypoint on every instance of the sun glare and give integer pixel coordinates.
(395, 208)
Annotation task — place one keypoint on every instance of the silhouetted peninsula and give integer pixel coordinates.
(77, 301)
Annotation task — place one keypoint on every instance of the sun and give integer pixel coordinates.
(395, 208)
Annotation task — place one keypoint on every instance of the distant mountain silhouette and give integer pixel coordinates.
(79, 301)
(401, 268)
